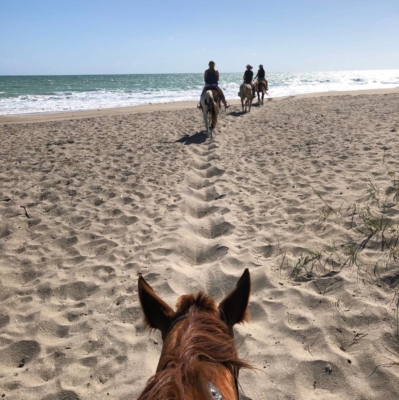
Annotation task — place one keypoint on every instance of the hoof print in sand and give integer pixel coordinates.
(202, 255)
(20, 353)
(204, 218)
(62, 395)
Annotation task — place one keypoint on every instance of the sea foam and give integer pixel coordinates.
(45, 94)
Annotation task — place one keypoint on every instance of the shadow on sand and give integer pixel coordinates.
(198, 138)
(236, 113)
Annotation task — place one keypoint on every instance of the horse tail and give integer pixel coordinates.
(213, 108)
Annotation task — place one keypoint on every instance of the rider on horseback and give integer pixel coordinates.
(261, 75)
(211, 78)
(248, 76)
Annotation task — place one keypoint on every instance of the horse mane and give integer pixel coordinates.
(197, 348)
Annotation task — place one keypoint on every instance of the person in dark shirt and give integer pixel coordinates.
(261, 76)
(211, 78)
(248, 76)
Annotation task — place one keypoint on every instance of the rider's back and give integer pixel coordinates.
(261, 74)
(211, 78)
(248, 75)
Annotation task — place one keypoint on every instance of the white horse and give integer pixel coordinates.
(210, 111)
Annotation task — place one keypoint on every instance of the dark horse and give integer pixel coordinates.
(261, 87)
(199, 359)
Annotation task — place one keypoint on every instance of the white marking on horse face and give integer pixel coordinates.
(214, 392)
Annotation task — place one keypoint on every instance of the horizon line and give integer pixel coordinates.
(183, 73)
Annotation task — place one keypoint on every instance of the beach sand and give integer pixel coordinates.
(303, 191)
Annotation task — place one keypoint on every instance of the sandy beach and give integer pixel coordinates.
(304, 191)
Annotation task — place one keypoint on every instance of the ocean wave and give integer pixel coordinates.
(97, 92)
(396, 82)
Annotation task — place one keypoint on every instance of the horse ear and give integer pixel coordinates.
(235, 304)
(158, 315)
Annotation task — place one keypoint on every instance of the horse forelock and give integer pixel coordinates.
(198, 349)
(201, 301)
(162, 385)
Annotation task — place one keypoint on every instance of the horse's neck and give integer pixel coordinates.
(197, 376)
(206, 381)
(221, 378)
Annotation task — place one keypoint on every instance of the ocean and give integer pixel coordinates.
(48, 94)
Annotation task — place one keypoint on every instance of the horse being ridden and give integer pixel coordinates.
(199, 357)
(210, 110)
(211, 78)
(246, 96)
(248, 78)
(247, 89)
(261, 85)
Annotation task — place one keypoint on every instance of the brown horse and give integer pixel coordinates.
(261, 87)
(199, 358)
(246, 94)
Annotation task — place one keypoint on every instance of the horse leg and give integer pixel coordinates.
(263, 96)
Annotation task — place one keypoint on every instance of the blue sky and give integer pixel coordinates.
(41, 37)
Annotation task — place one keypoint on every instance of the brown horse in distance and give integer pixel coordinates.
(199, 359)
(261, 87)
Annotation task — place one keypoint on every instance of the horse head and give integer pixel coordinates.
(199, 357)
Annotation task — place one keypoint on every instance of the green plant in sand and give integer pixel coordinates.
(393, 189)
(306, 262)
(374, 193)
(352, 251)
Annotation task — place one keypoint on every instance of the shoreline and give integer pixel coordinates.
(171, 106)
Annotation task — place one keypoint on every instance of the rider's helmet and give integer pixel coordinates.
(249, 66)
(261, 66)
